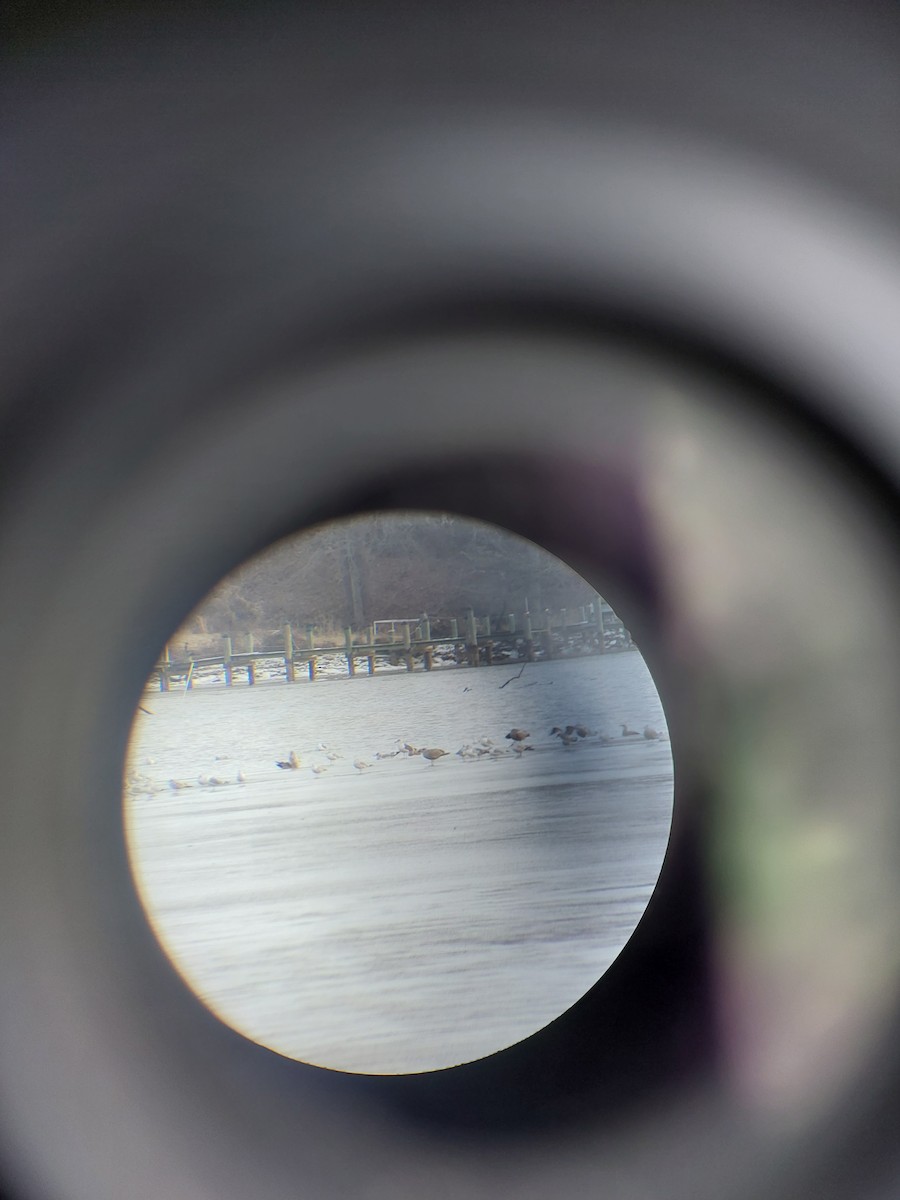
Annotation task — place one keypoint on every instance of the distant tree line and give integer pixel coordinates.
(387, 566)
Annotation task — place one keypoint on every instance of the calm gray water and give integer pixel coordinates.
(402, 916)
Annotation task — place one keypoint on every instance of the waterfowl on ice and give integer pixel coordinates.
(518, 735)
(626, 732)
(567, 736)
(292, 764)
(433, 754)
(361, 765)
(651, 734)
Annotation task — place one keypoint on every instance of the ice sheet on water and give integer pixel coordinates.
(353, 917)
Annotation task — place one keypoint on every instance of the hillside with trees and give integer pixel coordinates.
(386, 566)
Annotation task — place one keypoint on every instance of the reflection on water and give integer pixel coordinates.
(400, 916)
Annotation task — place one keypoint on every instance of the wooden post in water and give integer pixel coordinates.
(226, 661)
(454, 638)
(487, 626)
(370, 661)
(407, 647)
(529, 637)
(547, 633)
(164, 669)
(289, 673)
(251, 665)
(312, 666)
(598, 617)
(472, 637)
(428, 653)
(511, 622)
(348, 650)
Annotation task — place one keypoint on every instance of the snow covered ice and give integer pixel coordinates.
(408, 916)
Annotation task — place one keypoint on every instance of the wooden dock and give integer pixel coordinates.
(472, 642)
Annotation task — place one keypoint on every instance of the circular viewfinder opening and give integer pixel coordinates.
(398, 793)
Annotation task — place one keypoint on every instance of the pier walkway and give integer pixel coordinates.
(474, 642)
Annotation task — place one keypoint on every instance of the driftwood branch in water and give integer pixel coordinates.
(512, 677)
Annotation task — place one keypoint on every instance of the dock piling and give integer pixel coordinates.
(290, 674)
(472, 637)
(164, 669)
(598, 617)
(529, 637)
(407, 647)
(547, 634)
